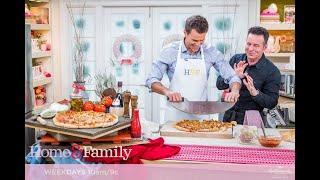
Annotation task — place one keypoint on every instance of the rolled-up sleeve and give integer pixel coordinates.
(159, 67)
(225, 70)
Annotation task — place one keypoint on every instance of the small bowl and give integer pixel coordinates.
(246, 139)
(247, 134)
(48, 113)
(269, 141)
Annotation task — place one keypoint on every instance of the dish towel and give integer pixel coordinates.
(154, 150)
(253, 118)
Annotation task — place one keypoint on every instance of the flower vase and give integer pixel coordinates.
(79, 90)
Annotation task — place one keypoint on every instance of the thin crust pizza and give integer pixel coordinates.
(188, 125)
(204, 126)
(84, 119)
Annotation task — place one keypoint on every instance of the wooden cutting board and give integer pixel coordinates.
(168, 129)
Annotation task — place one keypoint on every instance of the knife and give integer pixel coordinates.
(201, 107)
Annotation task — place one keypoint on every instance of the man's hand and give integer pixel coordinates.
(239, 68)
(159, 88)
(232, 96)
(249, 84)
(173, 96)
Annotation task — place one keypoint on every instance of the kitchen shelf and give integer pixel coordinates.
(279, 54)
(42, 81)
(41, 54)
(40, 26)
(288, 96)
(278, 26)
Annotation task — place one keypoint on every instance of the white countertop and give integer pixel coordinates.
(220, 142)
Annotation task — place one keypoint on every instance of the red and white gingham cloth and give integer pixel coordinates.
(239, 155)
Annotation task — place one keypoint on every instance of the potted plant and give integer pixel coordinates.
(105, 84)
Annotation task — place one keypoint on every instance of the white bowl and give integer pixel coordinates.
(48, 113)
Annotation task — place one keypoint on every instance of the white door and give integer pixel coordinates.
(127, 42)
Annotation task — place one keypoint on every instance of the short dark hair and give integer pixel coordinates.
(257, 30)
(197, 22)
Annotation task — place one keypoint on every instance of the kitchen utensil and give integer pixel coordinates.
(201, 107)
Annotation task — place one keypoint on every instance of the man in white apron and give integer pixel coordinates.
(187, 64)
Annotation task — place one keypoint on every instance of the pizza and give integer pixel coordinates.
(188, 125)
(84, 119)
(204, 126)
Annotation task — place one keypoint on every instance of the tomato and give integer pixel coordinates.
(88, 106)
(106, 101)
(99, 108)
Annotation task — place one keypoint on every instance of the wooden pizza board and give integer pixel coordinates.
(114, 145)
(92, 133)
(168, 129)
(57, 138)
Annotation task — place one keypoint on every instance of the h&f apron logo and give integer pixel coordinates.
(191, 72)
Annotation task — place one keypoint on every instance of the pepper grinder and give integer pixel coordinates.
(134, 103)
(126, 101)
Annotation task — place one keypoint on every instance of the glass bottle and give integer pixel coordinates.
(117, 104)
(135, 125)
(118, 101)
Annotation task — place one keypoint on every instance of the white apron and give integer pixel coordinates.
(190, 80)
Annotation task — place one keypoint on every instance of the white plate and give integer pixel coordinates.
(48, 113)
(59, 107)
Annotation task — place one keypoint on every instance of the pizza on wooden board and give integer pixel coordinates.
(84, 119)
(204, 126)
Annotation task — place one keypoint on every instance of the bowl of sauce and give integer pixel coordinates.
(269, 141)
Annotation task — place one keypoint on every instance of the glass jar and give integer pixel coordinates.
(247, 134)
(76, 103)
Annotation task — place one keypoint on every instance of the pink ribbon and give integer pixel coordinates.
(77, 88)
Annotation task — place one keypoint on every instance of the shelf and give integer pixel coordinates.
(279, 54)
(288, 96)
(278, 26)
(42, 82)
(40, 26)
(41, 54)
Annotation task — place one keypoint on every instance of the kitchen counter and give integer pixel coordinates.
(220, 142)
(223, 170)
(284, 101)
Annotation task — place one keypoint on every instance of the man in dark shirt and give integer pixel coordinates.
(260, 77)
